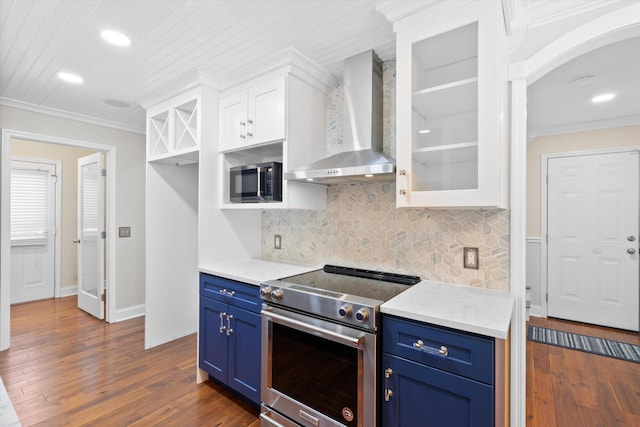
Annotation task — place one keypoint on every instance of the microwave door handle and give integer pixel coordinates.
(259, 191)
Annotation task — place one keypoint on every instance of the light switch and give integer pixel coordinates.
(277, 241)
(470, 257)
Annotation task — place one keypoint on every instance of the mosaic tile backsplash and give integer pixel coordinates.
(362, 227)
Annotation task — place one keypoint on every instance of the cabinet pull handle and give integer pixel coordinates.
(442, 351)
(229, 328)
(250, 121)
(249, 134)
(242, 123)
(403, 174)
(226, 292)
(222, 327)
(387, 391)
(242, 136)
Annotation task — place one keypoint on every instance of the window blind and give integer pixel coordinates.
(29, 206)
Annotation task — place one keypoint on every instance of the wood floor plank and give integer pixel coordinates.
(66, 368)
(581, 389)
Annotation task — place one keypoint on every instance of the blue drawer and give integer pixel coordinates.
(469, 355)
(231, 292)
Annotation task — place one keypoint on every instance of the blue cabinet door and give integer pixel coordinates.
(425, 396)
(244, 353)
(213, 343)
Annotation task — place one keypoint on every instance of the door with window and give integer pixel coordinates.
(33, 210)
(592, 216)
(91, 235)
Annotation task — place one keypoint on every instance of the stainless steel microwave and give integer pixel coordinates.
(257, 183)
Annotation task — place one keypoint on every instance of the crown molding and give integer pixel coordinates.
(14, 103)
(617, 122)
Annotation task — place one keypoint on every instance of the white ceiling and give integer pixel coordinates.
(172, 40)
(556, 105)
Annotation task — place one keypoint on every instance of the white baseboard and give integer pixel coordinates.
(536, 311)
(67, 291)
(129, 313)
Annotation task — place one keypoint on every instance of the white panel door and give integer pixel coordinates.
(33, 207)
(90, 229)
(593, 239)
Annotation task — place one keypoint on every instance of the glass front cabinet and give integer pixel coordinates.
(451, 108)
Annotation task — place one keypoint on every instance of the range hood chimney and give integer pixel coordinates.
(361, 158)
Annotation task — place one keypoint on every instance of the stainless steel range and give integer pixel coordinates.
(319, 346)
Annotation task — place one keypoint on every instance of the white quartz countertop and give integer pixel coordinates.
(254, 271)
(481, 311)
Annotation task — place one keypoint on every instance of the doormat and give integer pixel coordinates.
(588, 344)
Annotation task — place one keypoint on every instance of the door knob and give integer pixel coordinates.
(631, 238)
(631, 251)
(76, 241)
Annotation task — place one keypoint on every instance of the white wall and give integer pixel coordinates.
(130, 187)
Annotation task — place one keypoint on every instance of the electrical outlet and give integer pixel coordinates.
(277, 241)
(124, 232)
(470, 258)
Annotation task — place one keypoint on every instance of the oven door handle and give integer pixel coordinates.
(315, 330)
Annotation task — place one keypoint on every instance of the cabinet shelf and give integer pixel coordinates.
(447, 100)
(453, 153)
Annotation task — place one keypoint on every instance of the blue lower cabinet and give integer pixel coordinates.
(230, 336)
(426, 397)
(435, 376)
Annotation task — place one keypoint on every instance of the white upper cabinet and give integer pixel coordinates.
(275, 117)
(451, 100)
(253, 116)
(174, 129)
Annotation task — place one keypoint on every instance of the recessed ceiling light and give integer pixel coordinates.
(369, 175)
(71, 78)
(424, 131)
(309, 179)
(604, 97)
(114, 37)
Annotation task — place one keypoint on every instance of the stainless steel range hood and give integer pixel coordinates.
(361, 158)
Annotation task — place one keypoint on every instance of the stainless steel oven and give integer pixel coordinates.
(319, 348)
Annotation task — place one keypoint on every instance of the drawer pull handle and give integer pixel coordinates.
(442, 351)
(226, 292)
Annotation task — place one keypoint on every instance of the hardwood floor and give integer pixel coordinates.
(66, 368)
(572, 388)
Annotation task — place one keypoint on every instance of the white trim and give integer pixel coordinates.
(534, 239)
(67, 291)
(5, 259)
(129, 312)
(14, 103)
(58, 209)
(518, 273)
(612, 27)
(544, 267)
(584, 126)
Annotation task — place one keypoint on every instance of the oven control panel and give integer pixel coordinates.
(353, 310)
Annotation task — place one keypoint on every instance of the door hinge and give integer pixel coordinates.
(103, 234)
(103, 297)
(546, 297)
(103, 172)
(546, 238)
(546, 177)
